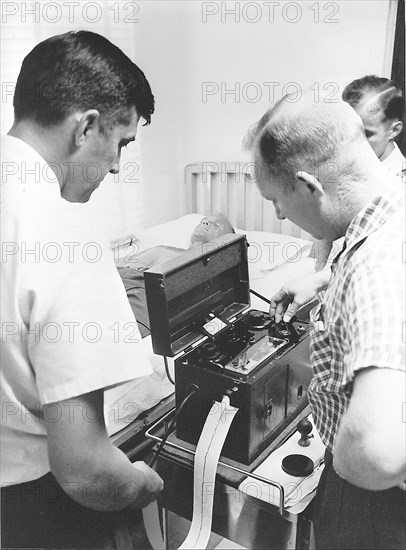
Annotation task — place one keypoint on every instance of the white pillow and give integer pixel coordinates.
(266, 250)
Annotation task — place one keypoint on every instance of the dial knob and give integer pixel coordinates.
(257, 318)
(210, 350)
(304, 427)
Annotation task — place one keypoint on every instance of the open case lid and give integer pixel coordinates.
(204, 287)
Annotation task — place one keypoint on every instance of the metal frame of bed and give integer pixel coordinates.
(230, 188)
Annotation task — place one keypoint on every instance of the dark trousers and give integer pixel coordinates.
(39, 514)
(346, 516)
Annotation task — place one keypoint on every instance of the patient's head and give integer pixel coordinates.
(211, 227)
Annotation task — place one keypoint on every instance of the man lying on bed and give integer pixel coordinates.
(209, 228)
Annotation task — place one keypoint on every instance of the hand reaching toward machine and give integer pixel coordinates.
(296, 293)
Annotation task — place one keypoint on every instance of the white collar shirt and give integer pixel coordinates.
(67, 326)
(396, 162)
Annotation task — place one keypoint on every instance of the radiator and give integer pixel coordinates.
(230, 188)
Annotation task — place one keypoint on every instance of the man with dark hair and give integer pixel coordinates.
(68, 331)
(357, 349)
(381, 106)
(78, 70)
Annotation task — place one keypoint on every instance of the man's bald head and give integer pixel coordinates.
(305, 135)
(315, 164)
(210, 228)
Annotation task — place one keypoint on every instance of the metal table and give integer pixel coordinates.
(237, 516)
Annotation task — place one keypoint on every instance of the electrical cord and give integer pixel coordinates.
(167, 370)
(171, 380)
(172, 425)
(143, 324)
(258, 295)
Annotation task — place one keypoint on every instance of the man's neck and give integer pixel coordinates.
(49, 143)
(354, 194)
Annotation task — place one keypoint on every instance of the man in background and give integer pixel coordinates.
(381, 106)
(357, 348)
(68, 331)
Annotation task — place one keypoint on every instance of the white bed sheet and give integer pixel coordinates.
(125, 402)
(266, 252)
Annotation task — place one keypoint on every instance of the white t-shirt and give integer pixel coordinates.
(67, 326)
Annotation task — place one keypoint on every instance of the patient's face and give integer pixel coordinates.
(211, 227)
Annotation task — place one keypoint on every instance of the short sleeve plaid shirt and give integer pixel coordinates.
(361, 321)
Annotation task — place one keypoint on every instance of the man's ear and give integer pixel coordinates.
(86, 123)
(309, 183)
(396, 128)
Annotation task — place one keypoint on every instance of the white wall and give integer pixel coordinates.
(180, 46)
(117, 206)
(186, 46)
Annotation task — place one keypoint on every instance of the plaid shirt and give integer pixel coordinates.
(361, 321)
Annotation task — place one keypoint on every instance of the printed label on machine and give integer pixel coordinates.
(250, 358)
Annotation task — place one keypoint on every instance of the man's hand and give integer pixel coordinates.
(297, 293)
(153, 484)
(85, 462)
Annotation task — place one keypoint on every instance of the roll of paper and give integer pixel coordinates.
(150, 516)
(207, 455)
(208, 451)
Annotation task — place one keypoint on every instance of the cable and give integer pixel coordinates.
(165, 359)
(143, 324)
(167, 371)
(258, 295)
(172, 425)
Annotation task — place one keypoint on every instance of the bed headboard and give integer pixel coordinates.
(230, 188)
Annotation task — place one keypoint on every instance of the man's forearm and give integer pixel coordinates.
(108, 481)
(369, 449)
